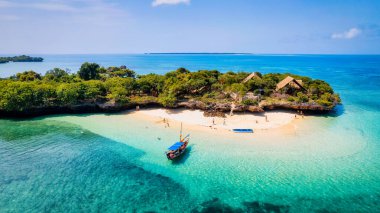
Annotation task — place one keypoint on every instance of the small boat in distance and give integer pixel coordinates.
(242, 130)
(178, 148)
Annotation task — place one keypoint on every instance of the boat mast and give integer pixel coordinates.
(180, 134)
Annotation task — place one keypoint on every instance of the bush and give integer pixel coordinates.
(93, 90)
(267, 92)
(255, 84)
(291, 99)
(302, 97)
(56, 74)
(68, 94)
(327, 99)
(167, 100)
(238, 88)
(151, 84)
(143, 99)
(122, 72)
(89, 71)
(119, 95)
(249, 102)
(28, 76)
(324, 102)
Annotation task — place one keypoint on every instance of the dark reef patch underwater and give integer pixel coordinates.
(215, 205)
(56, 167)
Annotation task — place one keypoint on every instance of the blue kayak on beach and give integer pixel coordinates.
(242, 130)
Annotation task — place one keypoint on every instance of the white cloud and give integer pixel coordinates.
(156, 3)
(349, 34)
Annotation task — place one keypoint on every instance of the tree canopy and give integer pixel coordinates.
(95, 84)
(89, 71)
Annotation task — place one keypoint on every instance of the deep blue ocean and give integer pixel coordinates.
(93, 163)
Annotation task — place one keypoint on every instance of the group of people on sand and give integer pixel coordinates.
(166, 122)
(213, 122)
(299, 112)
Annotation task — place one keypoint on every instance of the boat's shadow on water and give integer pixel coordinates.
(182, 159)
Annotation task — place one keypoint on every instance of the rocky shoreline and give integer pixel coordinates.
(218, 109)
(210, 109)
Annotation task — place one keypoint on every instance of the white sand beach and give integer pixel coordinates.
(264, 121)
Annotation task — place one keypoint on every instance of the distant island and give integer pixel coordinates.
(196, 53)
(99, 89)
(21, 58)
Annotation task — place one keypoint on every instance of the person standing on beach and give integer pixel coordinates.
(224, 122)
(266, 118)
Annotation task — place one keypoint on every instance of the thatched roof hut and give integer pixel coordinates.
(297, 84)
(254, 74)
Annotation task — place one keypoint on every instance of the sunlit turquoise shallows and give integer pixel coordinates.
(116, 163)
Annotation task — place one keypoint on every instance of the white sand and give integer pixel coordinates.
(246, 120)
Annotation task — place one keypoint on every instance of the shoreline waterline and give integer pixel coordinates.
(195, 120)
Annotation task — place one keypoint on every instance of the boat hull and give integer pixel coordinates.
(177, 153)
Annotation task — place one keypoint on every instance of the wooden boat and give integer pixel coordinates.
(242, 130)
(177, 149)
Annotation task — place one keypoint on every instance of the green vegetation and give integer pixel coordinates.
(89, 71)
(120, 86)
(28, 76)
(21, 58)
(249, 102)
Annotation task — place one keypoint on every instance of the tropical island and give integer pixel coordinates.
(21, 58)
(98, 89)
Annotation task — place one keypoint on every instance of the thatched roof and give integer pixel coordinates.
(250, 77)
(290, 81)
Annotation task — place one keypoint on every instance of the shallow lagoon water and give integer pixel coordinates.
(116, 163)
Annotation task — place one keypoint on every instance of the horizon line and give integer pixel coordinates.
(187, 53)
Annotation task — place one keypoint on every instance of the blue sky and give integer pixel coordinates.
(139, 26)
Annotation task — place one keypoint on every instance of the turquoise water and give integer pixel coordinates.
(115, 162)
